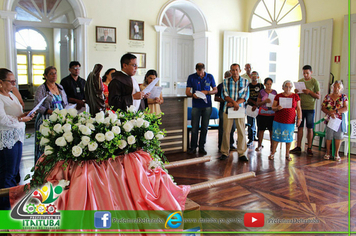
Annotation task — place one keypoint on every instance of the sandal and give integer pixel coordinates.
(288, 158)
(326, 157)
(258, 148)
(337, 158)
(271, 157)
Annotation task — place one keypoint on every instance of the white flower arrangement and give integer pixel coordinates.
(67, 135)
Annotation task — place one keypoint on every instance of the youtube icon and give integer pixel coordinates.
(254, 219)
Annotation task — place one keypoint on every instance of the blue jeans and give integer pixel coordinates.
(9, 167)
(204, 113)
(251, 128)
(221, 130)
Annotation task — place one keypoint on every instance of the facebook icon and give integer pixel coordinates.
(102, 220)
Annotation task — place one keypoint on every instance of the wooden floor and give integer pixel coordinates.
(304, 188)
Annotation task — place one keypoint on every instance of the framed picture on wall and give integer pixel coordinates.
(105, 34)
(137, 30)
(141, 59)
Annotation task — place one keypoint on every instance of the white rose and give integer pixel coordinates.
(116, 129)
(159, 136)
(73, 112)
(57, 111)
(90, 126)
(146, 123)
(132, 108)
(53, 117)
(85, 130)
(113, 117)
(66, 128)
(128, 126)
(139, 122)
(99, 117)
(121, 115)
(68, 136)
(123, 144)
(85, 140)
(61, 142)
(69, 120)
(149, 135)
(44, 141)
(45, 131)
(131, 139)
(77, 151)
(48, 150)
(58, 128)
(109, 136)
(92, 146)
(46, 123)
(81, 144)
(118, 123)
(82, 120)
(63, 112)
(154, 164)
(107, 121)
(133, 123)
(100, 137)
(91, 121)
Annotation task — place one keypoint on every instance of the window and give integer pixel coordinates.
(276, 13)
(31, 56)
(177, 22)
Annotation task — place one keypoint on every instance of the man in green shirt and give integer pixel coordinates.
(307, 100)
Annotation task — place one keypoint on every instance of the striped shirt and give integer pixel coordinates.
(236, 90)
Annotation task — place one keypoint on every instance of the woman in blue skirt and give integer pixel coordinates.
(285, 105)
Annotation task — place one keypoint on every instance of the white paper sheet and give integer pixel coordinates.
(334, 123)
(37, 106)
(240, 113)
(155, 92)
(251, 113)
(150, 86)
(286, 102)
(300, 86)
(201, 96)
(70, 105)
(270, 97)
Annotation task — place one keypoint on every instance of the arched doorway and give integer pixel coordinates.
(66, 18)
(182, 42)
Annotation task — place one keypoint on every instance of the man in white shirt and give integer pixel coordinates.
(123, 89)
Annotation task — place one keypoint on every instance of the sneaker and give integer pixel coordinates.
(191, 151)
(233, 148)
(223, 157)
(202, 151)
(243, 158)
(310, 152)
(296, 150)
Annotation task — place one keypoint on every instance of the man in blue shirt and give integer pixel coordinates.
(236, 93)
(202, 82)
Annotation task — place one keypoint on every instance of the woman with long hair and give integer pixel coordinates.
(153, 103)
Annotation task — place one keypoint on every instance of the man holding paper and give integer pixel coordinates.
(198, 85)
(124, 90)
(236, 93)
(307, 101)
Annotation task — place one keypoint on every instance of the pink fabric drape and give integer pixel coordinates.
(125, 183)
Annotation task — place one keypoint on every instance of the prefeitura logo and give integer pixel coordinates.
(37, 209)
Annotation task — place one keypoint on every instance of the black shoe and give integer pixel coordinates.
(191, 151)
(233, 148)
(250, 142)
(296, 150)
(243, 158)
(255, 139)
(202, 151)
(223, 157)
